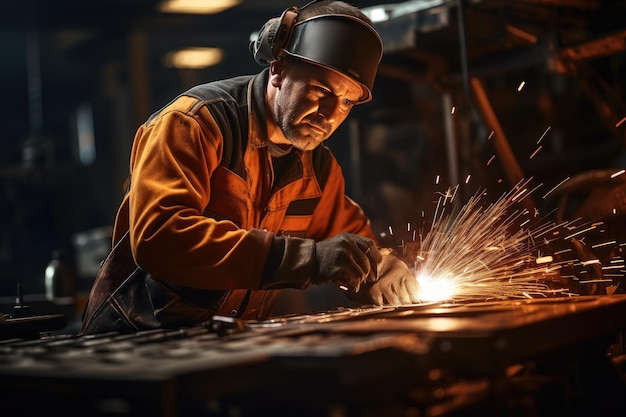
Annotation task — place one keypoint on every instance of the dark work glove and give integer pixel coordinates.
(396, 285)
(346, 259)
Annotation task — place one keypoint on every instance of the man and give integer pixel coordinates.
(233, 197)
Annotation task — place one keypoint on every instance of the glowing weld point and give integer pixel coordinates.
(435, 289)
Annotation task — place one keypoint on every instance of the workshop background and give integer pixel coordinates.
(548, 77)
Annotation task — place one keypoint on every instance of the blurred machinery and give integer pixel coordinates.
(524, 89)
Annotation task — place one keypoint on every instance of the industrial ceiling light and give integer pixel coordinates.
(194, 58)
(196, 6)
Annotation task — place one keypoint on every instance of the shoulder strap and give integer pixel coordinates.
(117, 266)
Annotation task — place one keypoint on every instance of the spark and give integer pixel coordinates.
(544, 133)
(620, 172)
(544, 259)
(612, 267)
(453, 110)
(555, 187)
(611, 242)
(580, 232)
(491, 160)
(535, 153)
(477, 255)
(476, 251)
(519, 195)
(618, 124)
(521, 86)
(593, 281)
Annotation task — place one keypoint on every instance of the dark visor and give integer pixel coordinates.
(342, 43)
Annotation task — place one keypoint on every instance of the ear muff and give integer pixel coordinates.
(273, 37)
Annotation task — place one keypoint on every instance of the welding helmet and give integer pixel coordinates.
(337, 42)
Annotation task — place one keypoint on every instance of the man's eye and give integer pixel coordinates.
(323, 90)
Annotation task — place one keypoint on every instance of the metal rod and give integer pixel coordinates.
(463, 48)
(451, 140)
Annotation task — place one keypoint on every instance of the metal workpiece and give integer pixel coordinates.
(431, 358)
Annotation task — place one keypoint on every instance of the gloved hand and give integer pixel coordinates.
(346, 259)
(396, 285)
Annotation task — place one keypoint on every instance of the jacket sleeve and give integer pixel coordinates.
(172, 161)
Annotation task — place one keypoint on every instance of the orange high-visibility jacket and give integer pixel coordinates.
(210, 218)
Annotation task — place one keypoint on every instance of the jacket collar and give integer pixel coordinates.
(257, 110)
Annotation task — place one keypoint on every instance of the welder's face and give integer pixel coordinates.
(311, 102)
